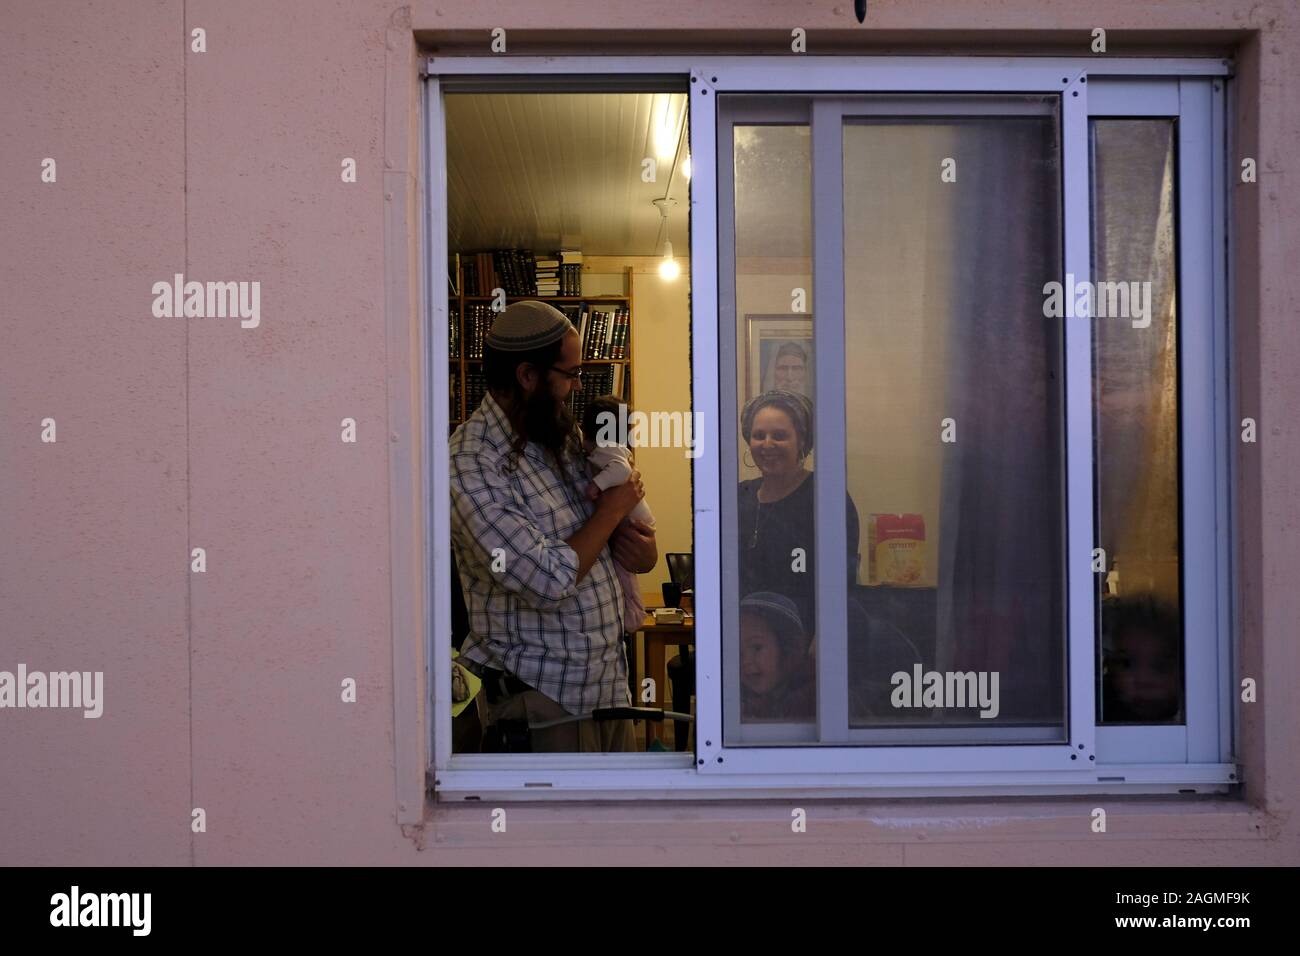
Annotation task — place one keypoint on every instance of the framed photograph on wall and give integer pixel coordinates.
(778, 354)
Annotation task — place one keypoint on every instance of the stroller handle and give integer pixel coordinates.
(602, 714)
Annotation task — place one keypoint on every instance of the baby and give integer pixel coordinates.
(611, 465)
(611, 462)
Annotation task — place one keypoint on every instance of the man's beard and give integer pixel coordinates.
(546, 420)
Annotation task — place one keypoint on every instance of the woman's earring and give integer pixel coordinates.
(750, 463)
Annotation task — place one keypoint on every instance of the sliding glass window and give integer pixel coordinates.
(942, 564)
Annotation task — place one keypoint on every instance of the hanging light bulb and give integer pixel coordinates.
(668, 268)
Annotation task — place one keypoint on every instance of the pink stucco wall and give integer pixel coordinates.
(222, 688)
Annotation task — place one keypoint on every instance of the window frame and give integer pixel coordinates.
(826, 117)
(1197, 108)
(716, 771)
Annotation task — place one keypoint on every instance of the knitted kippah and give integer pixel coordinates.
(528, 325)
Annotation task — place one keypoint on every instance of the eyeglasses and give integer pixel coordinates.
(574, 376)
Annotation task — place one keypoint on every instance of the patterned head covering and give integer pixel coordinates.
(528, 325)
(782, 616)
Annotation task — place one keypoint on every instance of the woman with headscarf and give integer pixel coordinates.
(776, 513)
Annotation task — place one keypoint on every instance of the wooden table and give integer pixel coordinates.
(657, 638)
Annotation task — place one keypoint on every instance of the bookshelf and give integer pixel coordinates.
(471, 316)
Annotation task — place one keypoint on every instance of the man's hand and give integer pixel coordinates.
(602, 529)
(634, 547)
(621, 499)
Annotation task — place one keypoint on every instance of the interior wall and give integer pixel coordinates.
(661, 382)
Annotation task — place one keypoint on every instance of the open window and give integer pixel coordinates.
(576, 198)
(958, 339)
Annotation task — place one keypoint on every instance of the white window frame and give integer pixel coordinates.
(1197, 106)
(1131, 764)
(825, 116)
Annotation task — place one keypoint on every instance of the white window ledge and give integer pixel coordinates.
(671, 777)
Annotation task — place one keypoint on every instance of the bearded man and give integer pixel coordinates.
(535, 555)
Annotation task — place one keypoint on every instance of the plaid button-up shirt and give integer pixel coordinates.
(528, 613)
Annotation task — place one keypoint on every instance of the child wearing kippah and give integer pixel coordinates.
(611, 465)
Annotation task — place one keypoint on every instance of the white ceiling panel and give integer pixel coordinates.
(545, 171)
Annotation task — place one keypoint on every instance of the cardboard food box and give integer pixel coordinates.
(896, 550)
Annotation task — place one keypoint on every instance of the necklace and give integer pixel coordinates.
(758, 521)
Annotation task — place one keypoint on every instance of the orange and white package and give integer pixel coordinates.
(896, 550)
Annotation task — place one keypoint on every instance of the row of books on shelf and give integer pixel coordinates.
(597, 380)
(483, 272)
(604, 332)
(517, 271)
(560, 274)
(478, 322)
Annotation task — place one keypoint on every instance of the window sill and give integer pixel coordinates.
(840, 823)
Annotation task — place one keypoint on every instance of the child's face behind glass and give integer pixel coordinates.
(1146, 674)
(760, 655)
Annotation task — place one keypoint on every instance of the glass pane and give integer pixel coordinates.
(773, 673)
(954, 398)
(1135, 390)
